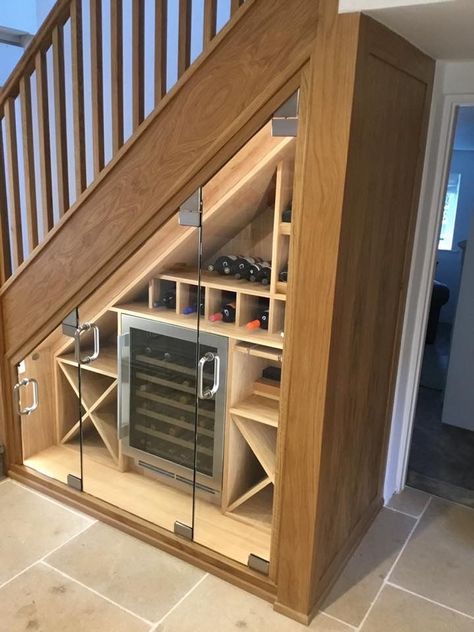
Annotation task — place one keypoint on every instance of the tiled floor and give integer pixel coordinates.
(61, 571)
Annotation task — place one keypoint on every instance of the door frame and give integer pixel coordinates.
(419, 288)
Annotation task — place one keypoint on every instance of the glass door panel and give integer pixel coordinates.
(51, 433)
(246, 233)
(140, 392)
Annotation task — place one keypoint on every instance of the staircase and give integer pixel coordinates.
(76, 196)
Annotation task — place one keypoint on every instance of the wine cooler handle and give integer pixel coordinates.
(208, 393)
(123, 400)
(77, 338)
(16, 390)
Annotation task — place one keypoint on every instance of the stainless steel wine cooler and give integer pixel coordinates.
(172, 400)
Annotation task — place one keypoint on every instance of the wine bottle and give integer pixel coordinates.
(260, 272)
(221, 264)
(192, 309)
(260, 322)
(227, 314)
(242, 267)
(283, 276)
(168, 299)
(286, 215)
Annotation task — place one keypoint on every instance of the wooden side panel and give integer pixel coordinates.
(320, 169)
(172, 155)
(388, 137)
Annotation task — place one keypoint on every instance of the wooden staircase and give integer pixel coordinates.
(49, 267)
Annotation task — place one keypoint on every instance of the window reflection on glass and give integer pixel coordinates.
(449, 212)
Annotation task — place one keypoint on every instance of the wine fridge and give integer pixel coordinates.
(172, 401)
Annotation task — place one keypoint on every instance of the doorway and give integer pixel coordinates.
(441, 456)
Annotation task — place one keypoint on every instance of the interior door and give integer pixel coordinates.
(49, 405)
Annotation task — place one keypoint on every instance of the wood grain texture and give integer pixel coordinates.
(44, 142)
(210, 16)
(234, 5)
(386, 152)
(359, 244)
(320, 170)
(138, 62)
(141, 189)
(161, 39)
(60, 131)
(77, 70)
(97, 86)
(5, 255)
(28, 161)
(184, 35)
(116, 53)
(16, 237)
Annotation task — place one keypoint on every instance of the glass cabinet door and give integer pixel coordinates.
(49, 402)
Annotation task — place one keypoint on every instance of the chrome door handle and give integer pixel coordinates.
(208, 393)
(16, 391)
(77, 343)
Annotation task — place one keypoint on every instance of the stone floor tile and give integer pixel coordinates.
(216, 605)
(398, 611)
(438, 562)
(356, 588)
(131, 573)
(411, 501)
(30, 527)
(42, 600)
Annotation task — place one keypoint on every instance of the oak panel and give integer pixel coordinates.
(171, 156)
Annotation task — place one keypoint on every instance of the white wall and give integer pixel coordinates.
(349, 6)
(454, 79)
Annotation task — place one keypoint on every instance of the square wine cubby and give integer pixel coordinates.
(162, 294)
(221, 306)
(254, 312)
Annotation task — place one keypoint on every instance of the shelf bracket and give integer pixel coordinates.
(183, 530)
(258, 564)
(190, 211)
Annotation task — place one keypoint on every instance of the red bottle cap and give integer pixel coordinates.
(215, 317)
(253, 324)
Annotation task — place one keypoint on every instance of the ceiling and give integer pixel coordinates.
(443, 29)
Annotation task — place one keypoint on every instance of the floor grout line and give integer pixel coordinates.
(54, 501)
(404, 513)
(331, 616)
(95, 592)
(436, 603)
(397, 559)
(41, 559)
(154, 628)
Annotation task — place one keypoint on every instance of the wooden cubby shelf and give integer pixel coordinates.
(106, 363)
(285, 228)
(98, 397)
(258, 408)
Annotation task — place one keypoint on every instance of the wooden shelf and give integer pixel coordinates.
(267, 388)
(281, 290)
(257, 336)
(218, 282)
(285, 228)
(258, 351)
(106, 363)
(262, 440)
(257, 408)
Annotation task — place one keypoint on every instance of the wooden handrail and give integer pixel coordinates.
(44, 119)
(40, 42)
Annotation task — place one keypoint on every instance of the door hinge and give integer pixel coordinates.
(285, 119)
(190, 211)
(258, 564)
(75, 482)
(183, 530)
